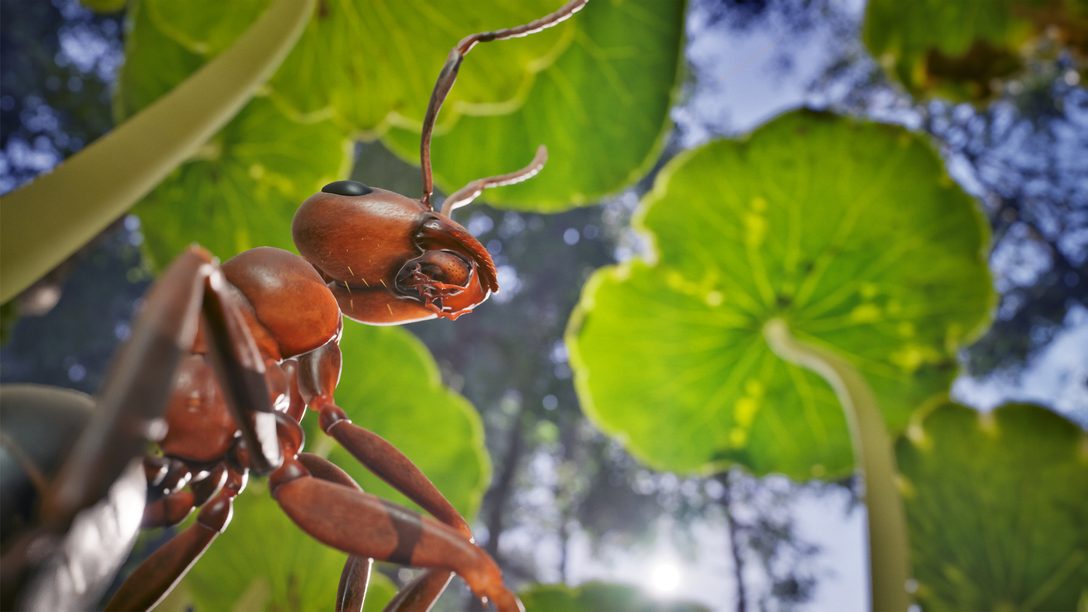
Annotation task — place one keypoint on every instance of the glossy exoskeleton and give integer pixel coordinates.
(234, 356)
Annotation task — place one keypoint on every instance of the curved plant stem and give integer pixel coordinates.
(46, 221)
(888, 548)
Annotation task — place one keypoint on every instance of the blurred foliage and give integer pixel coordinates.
(556, 477)
(597, 596)
(1030, 156)
(377, 64)
(962, 49)
(248, 180)
(369, 65)
(602, 110)
(850, 232)
(995, 503)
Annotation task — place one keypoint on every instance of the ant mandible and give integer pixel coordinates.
(238, 353)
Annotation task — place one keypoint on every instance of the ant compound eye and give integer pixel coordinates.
(347, 188)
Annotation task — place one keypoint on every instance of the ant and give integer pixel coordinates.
(235, 355)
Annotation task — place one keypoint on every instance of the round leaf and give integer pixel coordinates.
(601, 109)
(996, 508)
(154, 64)
(243, 188)
(594, 596)
(263, 561)
(850, 232)
(244, 191)
(959, 49)
(370, 63)
(391, 385)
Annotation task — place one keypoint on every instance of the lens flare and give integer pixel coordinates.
(665, 578)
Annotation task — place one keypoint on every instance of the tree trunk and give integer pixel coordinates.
(734, 529)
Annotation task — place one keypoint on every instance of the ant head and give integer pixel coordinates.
(389, 259)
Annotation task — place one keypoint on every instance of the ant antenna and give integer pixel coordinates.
(445, 82)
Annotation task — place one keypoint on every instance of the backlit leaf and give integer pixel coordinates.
(371, 63)
(244, 186)
(601, 109)
(850, 232)
(996, 510)
(962, 48)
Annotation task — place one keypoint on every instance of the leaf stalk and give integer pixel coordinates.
(46, 221)
(889, 564)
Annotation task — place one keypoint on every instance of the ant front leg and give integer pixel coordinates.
(193, 289)
(319, 373)
(355, 578)
(368, 526)
(419, 595)
(160, 572)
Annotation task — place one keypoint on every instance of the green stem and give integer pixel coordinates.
(48, 220)
(888, 549)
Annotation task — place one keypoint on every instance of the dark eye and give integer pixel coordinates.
(347, 188)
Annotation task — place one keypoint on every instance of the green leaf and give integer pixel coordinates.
(391, 385)
(245, 188)
(849, 232)
(996, 508)
(961, 49)
(99, 184)
(263, 561)
(602, 110)
(154, 64)
(371, 64)
(595, 596)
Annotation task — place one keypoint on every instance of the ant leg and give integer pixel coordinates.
(168, 510)
(160, 572)
(319, 372)
(420, 594)
(240, 371)
(368, 526)
(172, 508)
(134, 395)
(470, 192)
(448, 76)
(141, 379)
(356, 575)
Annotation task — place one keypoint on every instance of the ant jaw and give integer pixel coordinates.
(424, 279)
(440, 233)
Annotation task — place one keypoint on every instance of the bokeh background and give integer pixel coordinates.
(564, 502)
